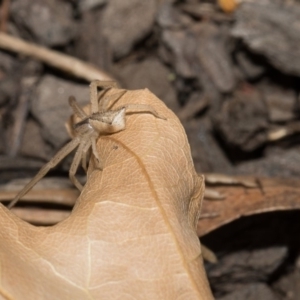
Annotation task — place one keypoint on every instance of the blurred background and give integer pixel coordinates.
(229, 69)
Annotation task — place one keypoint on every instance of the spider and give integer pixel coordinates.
(101, 121)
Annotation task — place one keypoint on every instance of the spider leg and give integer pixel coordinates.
(62, 153)
(142, 108)
(76, 161)
(78, 111)
(96, 154)
(85, 155)
(94, 92)
(104, 101)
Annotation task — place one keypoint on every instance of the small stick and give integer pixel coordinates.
(41, 216)
(64, 196)
(210, 194)
(284, 131)
(53, 58)
(215, 178)
(209, 216)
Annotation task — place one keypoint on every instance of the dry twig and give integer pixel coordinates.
(284, 131)
(55, 59)
(63, 196)
(41, 216)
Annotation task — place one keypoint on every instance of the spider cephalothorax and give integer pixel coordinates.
(101, 121)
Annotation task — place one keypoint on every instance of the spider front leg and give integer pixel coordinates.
(105, 101)
(96, 154)
(84, 145)
(95, 84)
(78, 111)
(45, 169)
(84, 156)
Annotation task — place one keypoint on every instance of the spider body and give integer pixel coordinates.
(101, 121)
(108, 122)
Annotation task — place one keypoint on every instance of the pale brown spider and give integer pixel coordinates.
(101, 121)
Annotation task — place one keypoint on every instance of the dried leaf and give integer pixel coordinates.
(271, 28)
(278, 163)
(132, 232)
(243, 120)
(125, 16)
(212, 56)
(50, 107)
(58, 25)
(272, 195)
(201, 49)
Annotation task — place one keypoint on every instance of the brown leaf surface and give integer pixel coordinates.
(131, 234)
(271, 195)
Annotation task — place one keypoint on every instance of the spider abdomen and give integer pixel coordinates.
(108, 122)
